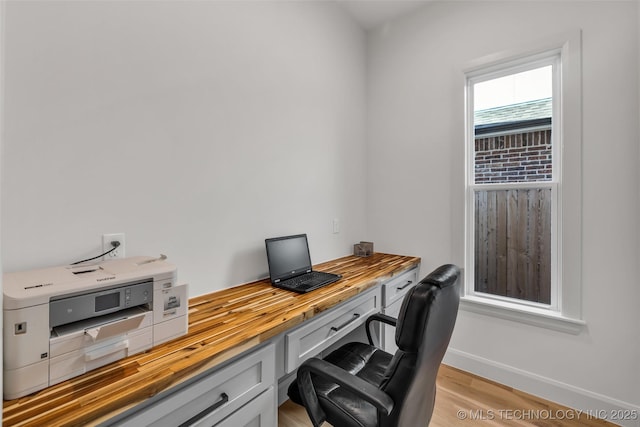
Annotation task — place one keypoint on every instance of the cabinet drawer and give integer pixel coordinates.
(396, 288)
(319, 333)
(260, 412)
(213, 396)
(388, 339)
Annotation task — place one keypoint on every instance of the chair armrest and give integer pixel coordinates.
(380, 318)
(352, 383)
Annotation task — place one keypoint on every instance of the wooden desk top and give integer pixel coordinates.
(222, 324)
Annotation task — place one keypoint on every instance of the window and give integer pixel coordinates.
(523, 124)
(513, 184)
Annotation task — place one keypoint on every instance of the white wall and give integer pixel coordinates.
(2, 26)
(415, 183)
(166, 120)
(172, 122)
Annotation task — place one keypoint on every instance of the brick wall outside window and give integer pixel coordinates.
(516, 157)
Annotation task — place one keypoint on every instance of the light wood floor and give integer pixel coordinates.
(466, 399)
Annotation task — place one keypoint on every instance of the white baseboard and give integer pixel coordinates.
(555, 391)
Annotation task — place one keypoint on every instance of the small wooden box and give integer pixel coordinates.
(363, 249)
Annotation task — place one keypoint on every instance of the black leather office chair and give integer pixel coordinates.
(364, 386)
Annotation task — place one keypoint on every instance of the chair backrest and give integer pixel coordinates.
(427, 317)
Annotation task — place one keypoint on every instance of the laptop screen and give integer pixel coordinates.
(287, 256)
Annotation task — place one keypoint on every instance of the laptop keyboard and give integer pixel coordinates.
(308, 281)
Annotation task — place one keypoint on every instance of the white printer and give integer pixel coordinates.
(64, 321)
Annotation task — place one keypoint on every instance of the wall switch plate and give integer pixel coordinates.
(107, 246)
(336, 226)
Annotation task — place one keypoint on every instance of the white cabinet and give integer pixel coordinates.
(393, 293)
(320, 332)
(246, 387)
(260, 412)
(244, 392)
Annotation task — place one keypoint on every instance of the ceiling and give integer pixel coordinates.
(371, 13)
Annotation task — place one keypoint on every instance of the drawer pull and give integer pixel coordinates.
(405, 285)
(224, 398)
(345, 324)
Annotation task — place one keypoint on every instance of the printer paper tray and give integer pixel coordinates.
(89, 336)
(96, 322)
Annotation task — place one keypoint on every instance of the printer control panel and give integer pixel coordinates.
(81, 307)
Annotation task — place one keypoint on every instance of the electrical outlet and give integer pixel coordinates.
(107, 246)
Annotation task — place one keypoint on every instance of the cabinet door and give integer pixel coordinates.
(320, 332)
(388, 341)
(212, 396)
(260, 412)
(393, 293)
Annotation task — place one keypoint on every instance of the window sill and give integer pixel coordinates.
(519, 313)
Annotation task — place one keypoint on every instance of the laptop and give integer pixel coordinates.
(290, 265)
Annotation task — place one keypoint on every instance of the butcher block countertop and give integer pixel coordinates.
(222, 325)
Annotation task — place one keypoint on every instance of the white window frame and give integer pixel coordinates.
(564, 312)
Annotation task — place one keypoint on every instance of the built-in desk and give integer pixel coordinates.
(232, 333)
